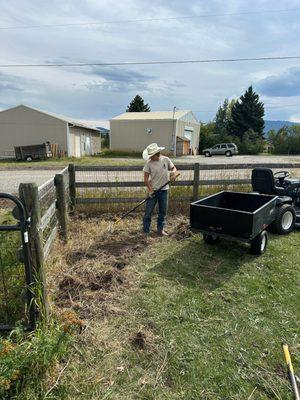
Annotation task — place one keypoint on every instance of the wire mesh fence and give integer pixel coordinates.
(110, 188)
(13, 287)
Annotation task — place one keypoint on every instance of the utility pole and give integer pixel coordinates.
(173, 146)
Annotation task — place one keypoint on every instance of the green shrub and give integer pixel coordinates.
(250, 144)
(27, 358)
(286, 140)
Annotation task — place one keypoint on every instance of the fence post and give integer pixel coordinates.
(196, 181)
(29, 195)
(72, 186)
(61, 205)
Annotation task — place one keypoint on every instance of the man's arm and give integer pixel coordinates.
(173, 171)
(147, 182)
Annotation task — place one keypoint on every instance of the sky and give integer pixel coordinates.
(106, 32)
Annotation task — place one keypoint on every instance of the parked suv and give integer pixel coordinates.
(227, 149)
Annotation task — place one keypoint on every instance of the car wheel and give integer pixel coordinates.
(28, 158)
(228, 154)
(259, 244)
(285, 220)
(210, 239)
(207, 154)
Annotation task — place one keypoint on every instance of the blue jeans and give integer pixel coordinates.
(162, 199)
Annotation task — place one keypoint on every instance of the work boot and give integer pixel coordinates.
(162, 233)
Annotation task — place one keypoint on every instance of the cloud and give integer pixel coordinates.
(120, 75)
(284, 84)
(102, 92)
(9, 84)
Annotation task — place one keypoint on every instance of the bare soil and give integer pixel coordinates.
(95, 268)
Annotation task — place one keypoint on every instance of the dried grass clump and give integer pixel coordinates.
(95, 267)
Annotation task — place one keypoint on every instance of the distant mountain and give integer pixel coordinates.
(277, 125)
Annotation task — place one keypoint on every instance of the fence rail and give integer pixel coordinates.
(97, 180)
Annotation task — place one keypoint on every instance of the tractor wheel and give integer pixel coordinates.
(210, 239)
(285, 220)
(207, 154)
(259, 244)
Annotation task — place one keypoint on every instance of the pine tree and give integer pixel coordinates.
(221, 119)
(138, 105)
(247, 114)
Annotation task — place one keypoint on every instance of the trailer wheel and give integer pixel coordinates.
(210, 239)
(285, 220)
(28, 158)
(259, 244)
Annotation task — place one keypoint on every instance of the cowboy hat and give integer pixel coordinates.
(150, 150)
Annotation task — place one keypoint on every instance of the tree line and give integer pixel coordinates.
(240, 121)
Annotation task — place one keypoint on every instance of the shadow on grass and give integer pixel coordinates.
(203, 265)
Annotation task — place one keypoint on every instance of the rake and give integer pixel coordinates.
(175, 176)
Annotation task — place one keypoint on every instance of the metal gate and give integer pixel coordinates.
(16, 277)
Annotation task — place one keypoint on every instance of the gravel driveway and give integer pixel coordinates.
(11, 178)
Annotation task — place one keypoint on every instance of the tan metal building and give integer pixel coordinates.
(177, 131)
(23, 125)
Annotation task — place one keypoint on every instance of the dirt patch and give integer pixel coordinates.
(143, 339)
(95, 269)
(106, 280)
(70, 287)
(280, 371)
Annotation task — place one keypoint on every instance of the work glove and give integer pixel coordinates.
(173, 176)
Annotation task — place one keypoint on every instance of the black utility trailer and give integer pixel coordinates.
(234, 215)
(33, 152)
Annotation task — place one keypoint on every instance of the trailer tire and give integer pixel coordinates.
(285, 220)
(29, 158)
(210, 239)
(259, 243)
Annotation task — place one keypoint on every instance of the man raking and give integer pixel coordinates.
(156, 173)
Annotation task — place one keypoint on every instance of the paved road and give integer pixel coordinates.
(10, 179)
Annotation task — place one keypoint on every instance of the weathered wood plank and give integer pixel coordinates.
(216, 182)
(72, 188)
(45, 187)
(196, 181)
(49, 242)
(62, 207)
(119, 168)
(97, 200)
(29, 195)
(124, 184)
(46, 218)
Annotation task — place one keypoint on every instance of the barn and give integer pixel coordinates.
(178, 131)
(23, 125)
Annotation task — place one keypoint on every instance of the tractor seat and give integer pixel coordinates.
(263, 182)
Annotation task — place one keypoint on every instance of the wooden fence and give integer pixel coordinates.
(195, 183)
(47, 207)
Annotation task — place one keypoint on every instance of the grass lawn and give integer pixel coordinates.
(174, 318)
(106, 158)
